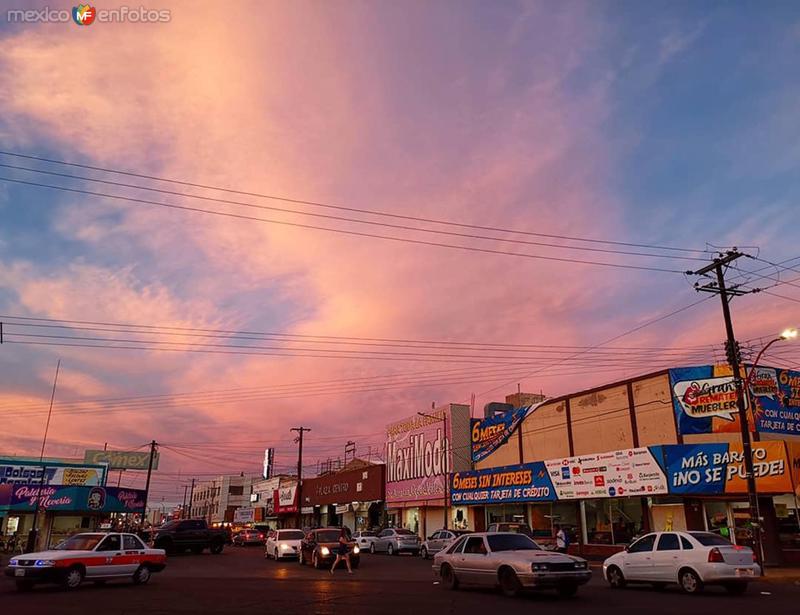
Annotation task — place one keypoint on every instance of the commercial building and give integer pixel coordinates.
(216, 500)
(63, 496)
(420, 452)
(352, 497)
(274, 501)
(660, 451)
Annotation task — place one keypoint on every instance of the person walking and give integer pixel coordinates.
(561, 539)
(342, 552)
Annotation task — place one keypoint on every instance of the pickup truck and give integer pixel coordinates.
(188, 534)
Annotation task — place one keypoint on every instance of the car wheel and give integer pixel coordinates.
(141, 576)
(689, 581)
(216, 547)
(567, 591)
(390, 549)
(449, 579)
(615, 578)
(315, 561)
(509, 583)
(73, 578)
(736, 589)
(372, 548)
(424, 553)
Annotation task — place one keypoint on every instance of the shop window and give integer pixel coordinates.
(788, 518)
(613, 522)
(544, 518)
(236, 490)
(506, 513)
(717, 518)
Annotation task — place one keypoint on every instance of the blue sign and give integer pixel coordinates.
(23, 498)
(775, 396)
(527, 482)
(694, 468)
(491, 433)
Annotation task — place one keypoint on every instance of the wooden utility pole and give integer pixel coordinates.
(299, 440)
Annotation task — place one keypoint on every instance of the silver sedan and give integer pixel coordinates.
(512, 562)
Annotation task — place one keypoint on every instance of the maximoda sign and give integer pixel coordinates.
(419, 453)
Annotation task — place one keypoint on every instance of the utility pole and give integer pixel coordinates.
(191, 499)
(153, 445)
(299, 440)
(183, 507)
(718, 266)
(34, 532)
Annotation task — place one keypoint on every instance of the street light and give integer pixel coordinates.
(443, 418)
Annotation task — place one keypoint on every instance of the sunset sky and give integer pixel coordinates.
(655, 124)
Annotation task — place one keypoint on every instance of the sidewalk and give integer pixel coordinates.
(782, 575)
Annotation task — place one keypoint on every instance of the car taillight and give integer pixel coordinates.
(715, 556)
(755, 559)
(261, 535)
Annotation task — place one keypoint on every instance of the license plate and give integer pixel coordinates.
(745, 572)
(19, 573)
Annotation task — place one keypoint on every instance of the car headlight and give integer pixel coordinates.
(284, 547)
(44, 563)
(581, 565)
(539, 567)
(13, 562)
(356, 550)
(325, 551)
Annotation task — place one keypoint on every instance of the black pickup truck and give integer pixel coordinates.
(188, 534)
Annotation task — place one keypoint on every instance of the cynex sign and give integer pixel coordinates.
(122, 460)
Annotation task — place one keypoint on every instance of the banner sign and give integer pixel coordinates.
(121, 460)
(719, 468)
(776, 400)
(244, 515)
(53, 473)
(614, 474)
(286, 499)
(22, 498)
(489, 434)
(527, 482)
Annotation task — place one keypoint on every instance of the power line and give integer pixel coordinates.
(341, 208)
(341, 231)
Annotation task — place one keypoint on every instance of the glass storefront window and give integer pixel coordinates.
(788, 516)
(506, 513)
(717, 518)
(613, 521)
(545, 516)
(566, 515)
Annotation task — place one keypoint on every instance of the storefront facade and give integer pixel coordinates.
(657, 452)
(353, 497)
(420, 452)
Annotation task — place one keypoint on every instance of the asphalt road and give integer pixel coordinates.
(241, 581)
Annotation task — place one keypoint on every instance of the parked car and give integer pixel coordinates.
(394, 541)
(365, 538)
(283, 543)
(88, 557)
(690, 559)
(319, 548)
(249, 537)
(438, 541)
(515, 528)
(511, 561)
(192, 534)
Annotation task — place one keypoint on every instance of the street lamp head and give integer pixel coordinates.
(789, 334)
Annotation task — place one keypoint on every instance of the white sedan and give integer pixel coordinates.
(364, 538)
(690, 559)
(92, 557)
(283, 543)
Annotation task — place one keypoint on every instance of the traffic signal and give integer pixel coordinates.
(733, 353)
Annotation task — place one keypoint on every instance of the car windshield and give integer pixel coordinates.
(169, 525)
(512, 542)
(290, 535)
(81, 542)
(328, 536)
(710, 540)
(404, 532)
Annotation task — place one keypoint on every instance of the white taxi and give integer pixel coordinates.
(88, 557)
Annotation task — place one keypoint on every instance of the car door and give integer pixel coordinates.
(666, 558)
(109, 558)
(133, 553)
(473, 561)
(434, 543)
(637, 564)
(383, 540)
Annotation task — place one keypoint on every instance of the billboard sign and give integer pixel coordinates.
(528, 482)
(23, 498)
(489, 434)
(286, 498)
(719, 468)
(244, 515)
(121, 460)
(775, 394)
(17, 472)
(269, 459)
(623, 473)
(419, 454)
